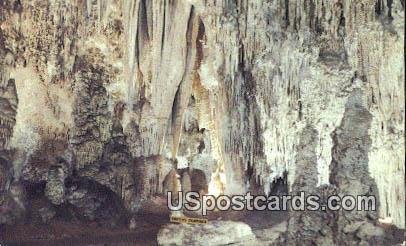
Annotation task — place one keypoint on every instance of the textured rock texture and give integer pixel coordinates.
(213, 233)
(125, 94)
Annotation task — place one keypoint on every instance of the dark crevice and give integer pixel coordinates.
(163, 28)
(142, 36)
(279, 186)
(378, 7)
(312, 10)
(250, 171)
(143, 21)
(286, 13)
(390, 2)
(201, 37)
(189, 32)
(18, 7)
(241, 57)
(34, 190)
(199, 181)
(174, 105)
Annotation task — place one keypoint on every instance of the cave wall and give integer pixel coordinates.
(294, 63)
(119, 91)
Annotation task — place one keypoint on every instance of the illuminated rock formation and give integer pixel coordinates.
(120, 93)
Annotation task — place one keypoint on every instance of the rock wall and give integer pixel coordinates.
(287, 64)
(118, 92)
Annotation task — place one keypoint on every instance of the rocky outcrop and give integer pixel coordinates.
(8, 106)
(12, 207)
(350, 174)
(316, 91)
(213, 233)
(13, 204)
(93, 202)
(309, 227)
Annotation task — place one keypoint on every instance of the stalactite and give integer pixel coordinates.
(260, 71)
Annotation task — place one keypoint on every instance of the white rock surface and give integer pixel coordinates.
(259, 71)
(212, 233)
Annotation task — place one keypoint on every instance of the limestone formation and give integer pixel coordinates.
(214, 233)
(139, 97)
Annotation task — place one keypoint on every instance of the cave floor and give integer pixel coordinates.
(148, 223)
